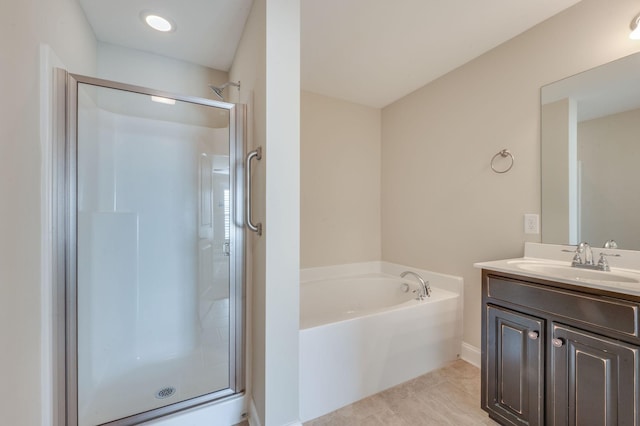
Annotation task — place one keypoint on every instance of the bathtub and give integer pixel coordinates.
(361, 332)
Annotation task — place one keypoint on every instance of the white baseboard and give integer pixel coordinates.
(470, 353)
(254, 419)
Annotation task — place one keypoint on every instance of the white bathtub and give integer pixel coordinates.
(362, 333)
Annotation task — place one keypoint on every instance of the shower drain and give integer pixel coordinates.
(165, 392)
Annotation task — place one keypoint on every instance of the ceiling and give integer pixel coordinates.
(207, 31)
(372, 52)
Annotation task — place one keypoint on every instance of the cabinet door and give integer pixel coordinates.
(513, 367)
(593, 379)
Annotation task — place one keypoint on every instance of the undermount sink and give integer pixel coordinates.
(577, 274)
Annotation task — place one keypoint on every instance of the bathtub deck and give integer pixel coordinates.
(447, 396)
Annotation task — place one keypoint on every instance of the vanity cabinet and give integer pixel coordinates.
(516, 371)
(594, 379)
(555, 354)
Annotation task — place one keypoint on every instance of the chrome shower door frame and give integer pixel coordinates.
(64, 191)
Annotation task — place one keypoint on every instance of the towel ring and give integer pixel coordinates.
(504, 154)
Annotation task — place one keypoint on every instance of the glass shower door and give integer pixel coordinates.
(157, 265)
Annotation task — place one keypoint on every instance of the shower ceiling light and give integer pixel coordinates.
(158, 22)
(635, 28)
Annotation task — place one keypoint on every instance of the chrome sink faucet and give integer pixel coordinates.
(424, 290)
(583, 258)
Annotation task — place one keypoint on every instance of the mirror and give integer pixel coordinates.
(590, 156)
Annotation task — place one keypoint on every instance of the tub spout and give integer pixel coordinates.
(425, 289)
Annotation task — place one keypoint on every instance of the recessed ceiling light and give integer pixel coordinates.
(635, 28)
(158, 22)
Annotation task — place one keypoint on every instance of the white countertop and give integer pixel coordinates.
(624, 276)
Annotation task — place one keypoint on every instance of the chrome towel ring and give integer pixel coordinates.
(504, 154)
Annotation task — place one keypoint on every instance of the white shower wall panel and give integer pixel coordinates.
(156, 176)
(108, 259)
(138, 202)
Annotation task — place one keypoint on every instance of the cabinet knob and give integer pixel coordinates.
(557, 343)
(533, 335)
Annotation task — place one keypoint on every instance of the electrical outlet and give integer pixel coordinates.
(531, 223)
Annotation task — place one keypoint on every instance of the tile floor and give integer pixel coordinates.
(448, 396)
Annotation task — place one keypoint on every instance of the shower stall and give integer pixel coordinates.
(150, 251)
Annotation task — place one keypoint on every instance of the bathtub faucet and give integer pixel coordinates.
(425, 289)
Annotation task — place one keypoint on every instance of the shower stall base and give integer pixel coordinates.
(147, 386)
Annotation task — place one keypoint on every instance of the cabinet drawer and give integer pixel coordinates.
(612, 314)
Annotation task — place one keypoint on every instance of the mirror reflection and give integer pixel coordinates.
(590, 138)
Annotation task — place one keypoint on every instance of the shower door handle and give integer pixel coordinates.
(257, 154)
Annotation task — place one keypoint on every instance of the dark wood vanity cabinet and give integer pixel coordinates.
(515, 371)
(558, 355)
(594, 379)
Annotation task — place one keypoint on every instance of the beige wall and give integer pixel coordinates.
(249, 67)
(158, 72)
(442, 207)
(609, 151)
(339, 182)
(23, 26)
(267, 64)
